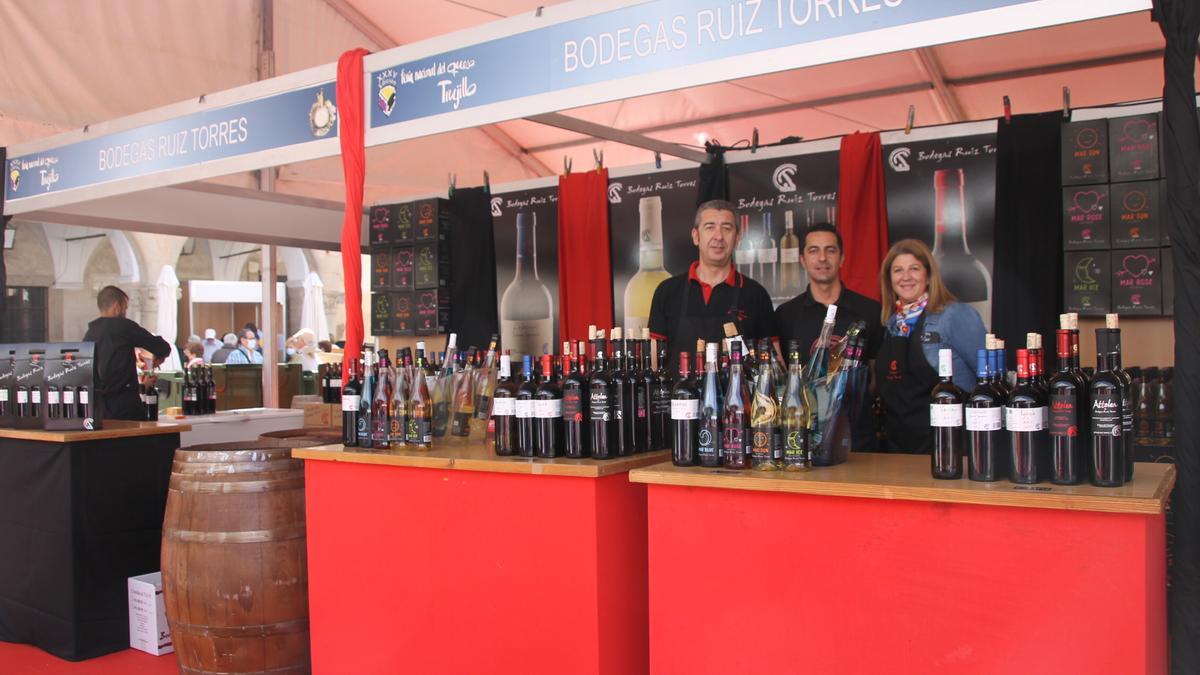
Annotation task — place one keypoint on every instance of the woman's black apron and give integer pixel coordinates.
(905, 380)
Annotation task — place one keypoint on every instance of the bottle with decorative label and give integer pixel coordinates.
(708, 437)
(526, 419)
(987, 459)
(548, 412)
(1067, 456)
(1106, 399)
(946, 421)
(796, 413)
(574, 409)
(735, 418)
(1024, 418)
(765, 454)
(504, 410)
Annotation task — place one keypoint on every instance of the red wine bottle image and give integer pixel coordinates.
(685, 416)
(660, 405)
(708, 437)
(350, 402)
(526, 421)
(574, 411)
(735, 418)
(1024, 416)
(946, 420)
(1106, 396)
(602, 403)
(504, 410)
(987, 458)
(1067, 456)
(548, 411)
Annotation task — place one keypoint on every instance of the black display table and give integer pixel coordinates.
(80, 513)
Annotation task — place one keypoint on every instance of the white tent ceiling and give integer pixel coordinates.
(68, 64)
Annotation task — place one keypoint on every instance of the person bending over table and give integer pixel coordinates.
(116, 338)
(920, 316)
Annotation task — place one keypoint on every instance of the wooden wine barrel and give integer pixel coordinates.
(234, 558)
(306, 436)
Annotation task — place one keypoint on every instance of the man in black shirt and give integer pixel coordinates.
(801, 317)
(697, 305)
(116, 337)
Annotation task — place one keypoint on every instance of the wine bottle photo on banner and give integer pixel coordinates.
(526, 230)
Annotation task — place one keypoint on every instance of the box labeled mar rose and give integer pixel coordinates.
(1133, 147)
(1085, 217)
(1137, 281)
(148, 628)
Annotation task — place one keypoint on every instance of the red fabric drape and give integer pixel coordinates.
(584, 260)
(862, 212)
(351, 108)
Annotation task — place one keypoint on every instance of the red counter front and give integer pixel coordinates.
(874, 567)
(456, 561)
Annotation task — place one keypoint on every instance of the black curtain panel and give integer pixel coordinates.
(1180, 24)
(714, 177)
(3, 226)
(473, 311)
(1028, 278)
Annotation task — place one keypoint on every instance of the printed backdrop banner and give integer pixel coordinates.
(526, 226)
(943, 192)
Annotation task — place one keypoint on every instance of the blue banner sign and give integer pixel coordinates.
(634, 40)
(285, 119)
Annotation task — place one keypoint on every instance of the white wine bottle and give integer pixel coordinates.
(790, 269)
(526, 308)
(767, 256)
(964, 274)
(639, 292)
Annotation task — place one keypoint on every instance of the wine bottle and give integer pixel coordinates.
(791, 281)
(188, 393)
(735, 418)
(708, 437)
(641, 381)
(797, 409)
(640, 289)
(685, 416)
(765, 454)
(946, 419)
(602, 402)
(504, 410)
(574, 411)
(526, 307)
(746, 251)
(463, 409)
(1067, 454)
(660, 404)
(767, 256)
(987, 457)
(211, 407)
(526, 420)
(350, 405)
(548, 412)
(818, 368)
(1106, 395)
(623, 391)
(419, 415)
(1023, 416)
(485, 382)
(151, 401)
(1163, 427)
(381, 405)
(397, 402)
(963, 273)
(68, 407)
(366, 397)
(1111, 322)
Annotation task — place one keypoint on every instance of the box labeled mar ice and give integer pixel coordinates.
(148, 628)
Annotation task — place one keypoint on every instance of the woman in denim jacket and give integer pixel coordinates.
(920, 316)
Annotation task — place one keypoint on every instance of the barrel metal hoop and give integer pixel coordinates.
(282, 533)
(258, 630)
(231, 487)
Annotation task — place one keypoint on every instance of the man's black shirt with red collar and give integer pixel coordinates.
(753, 312)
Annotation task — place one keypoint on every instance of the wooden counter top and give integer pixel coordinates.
(469, 455)
(112, 429)
(887, 476)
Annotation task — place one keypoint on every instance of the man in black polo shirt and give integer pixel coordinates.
(116, 337)
(801, 317)
(698, 304)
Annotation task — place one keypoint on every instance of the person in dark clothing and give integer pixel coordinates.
(116, 338)
(228, 346)
(801, 317)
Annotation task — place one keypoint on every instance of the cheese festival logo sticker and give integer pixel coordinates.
(385, 94)
(322, 115)
(14, 177)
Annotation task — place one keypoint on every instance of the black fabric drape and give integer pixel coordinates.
(3, 226)
(473, 312)
(1027, 269)
(1180, 24)
(714, 177)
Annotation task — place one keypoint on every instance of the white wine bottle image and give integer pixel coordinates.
(745, 253)
(791, 272)
(526, 308)
(640, 289)
(965, 275)
(767, 256)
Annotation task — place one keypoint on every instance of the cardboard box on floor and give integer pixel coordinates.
(148, 628)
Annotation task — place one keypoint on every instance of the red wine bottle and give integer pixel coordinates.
(660, 404)
(1106, 397)
(987, 458)
(504, 409)
(574, 410)
(350, 404)
(946, 420)
(1066, 443)
(685, 416)
(548, 411)
(640, 388)
(623, 391)
(526, 423)
(602, 404)
(1024, 416)
(1111, 322)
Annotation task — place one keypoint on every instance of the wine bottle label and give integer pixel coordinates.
(1106, 414)
(763, 445)
(525, 409)
(52, 397)
(767, 255)
(396, 430)
(83, 397)
(984, 419)
(793, 444)
(743, 257)
(707, 440)
(1064, 416)
(764, 410)
(734, 440)
(69, 397)
(599, 407)
(22, 397)
(504, 407)
(4, 395)
(789, 255)
(662, 402)
(419, 431)
(1127, 413)
(1025, 419)
(945, 415)
(350, 403)
(641, 406)
(685, 409)
(547, 409)
(36, 395)
(572, 406)
(482, 405)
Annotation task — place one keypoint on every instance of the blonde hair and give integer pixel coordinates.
(939, 295)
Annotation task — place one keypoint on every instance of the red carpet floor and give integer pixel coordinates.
(28, 660)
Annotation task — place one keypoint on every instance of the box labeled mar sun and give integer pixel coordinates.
(1085, 217)
(1136, 214)
(1137, 281)
(1085, 153)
